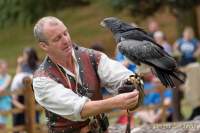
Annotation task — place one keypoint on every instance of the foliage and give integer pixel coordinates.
(27, 11)
(181, 9)
(148, 7)
(142, 7)
(183, 4)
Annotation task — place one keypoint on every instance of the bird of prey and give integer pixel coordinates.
(140, 48)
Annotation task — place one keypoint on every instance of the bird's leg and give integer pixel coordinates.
(137, 81)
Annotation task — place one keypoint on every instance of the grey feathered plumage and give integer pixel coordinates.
(139, 47)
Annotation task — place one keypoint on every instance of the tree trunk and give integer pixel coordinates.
(198, 19)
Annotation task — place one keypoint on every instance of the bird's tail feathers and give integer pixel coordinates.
(181, 76)
(165, 78)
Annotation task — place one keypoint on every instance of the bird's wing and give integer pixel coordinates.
(147, 53)
(138, 34)
(125, 27)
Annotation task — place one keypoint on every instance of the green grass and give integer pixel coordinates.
(186, 109)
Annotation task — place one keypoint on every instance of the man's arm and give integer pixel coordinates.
(112, 73)
(121, 101)
(56, 98)
(63, 101)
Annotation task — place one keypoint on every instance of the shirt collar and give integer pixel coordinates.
(77, 76)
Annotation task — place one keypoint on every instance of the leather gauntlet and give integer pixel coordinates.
(133, 82)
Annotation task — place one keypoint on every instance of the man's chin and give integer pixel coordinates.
(68, 51)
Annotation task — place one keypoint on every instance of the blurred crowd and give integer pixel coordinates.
(186, 50)
(27, 63)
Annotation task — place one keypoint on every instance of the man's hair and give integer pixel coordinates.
(38, 28)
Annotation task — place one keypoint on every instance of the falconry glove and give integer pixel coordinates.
(133, 82)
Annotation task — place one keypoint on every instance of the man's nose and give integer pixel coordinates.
(64, 39)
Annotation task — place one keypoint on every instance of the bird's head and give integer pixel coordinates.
(111, 23)
(116, 25)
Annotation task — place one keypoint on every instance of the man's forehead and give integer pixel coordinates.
(50, 29)
(53, 24)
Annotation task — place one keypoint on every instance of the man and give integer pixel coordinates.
(67, 82)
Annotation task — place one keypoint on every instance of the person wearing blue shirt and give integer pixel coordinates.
(5, 101)
(121, 58)
(153, 96)
(188, 46)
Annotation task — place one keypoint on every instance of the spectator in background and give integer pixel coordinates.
(160, 38)
(188, 47)
(121, 58)
(186, 50)
(28, 62)
(5, 101)
(153, 96)
(26, 65)
(152, 26)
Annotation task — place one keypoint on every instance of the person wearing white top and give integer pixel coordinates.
(60, 98)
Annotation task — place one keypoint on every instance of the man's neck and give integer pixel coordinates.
(66, 62)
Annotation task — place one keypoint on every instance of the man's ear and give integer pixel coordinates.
(43, 46)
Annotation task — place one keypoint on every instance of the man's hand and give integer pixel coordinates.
(122, 101)
(127, 100)
(134, 82)
(130, 100)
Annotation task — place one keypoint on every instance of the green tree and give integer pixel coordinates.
(28, 11)
(184, 10)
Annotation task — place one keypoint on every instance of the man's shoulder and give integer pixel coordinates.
(88, 51)
(42, 70)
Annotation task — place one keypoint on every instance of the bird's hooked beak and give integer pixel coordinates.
(103, 24)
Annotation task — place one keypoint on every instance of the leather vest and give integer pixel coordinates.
(88, 61)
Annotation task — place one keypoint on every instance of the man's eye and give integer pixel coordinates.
(65, 33)
(57, 39)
